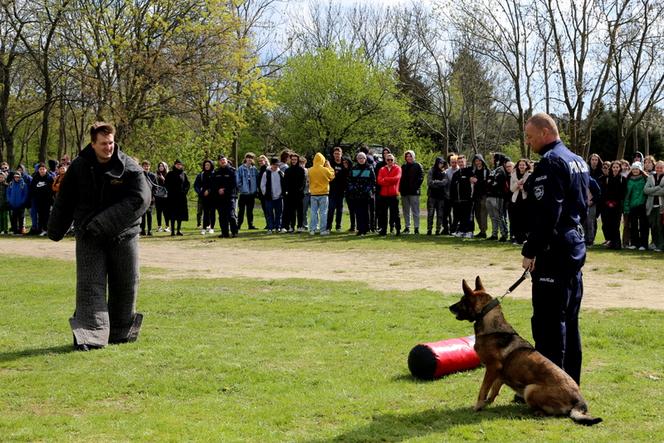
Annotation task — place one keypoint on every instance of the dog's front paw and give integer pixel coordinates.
(479, 406)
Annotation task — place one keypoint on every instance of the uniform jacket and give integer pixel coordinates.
(389, 180)
(104, 202)
(224, 178)
(320, 176)
(558, 192)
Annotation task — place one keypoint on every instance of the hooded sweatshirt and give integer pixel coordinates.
(498, 182)
(437, 180)
(480, 188)
(320, 176)
(412, 176)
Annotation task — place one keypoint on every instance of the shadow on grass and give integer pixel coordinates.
(396, 428)
(34, 352)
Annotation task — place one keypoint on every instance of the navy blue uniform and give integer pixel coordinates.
(558, 193)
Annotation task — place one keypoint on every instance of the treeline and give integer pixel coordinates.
(193, 78)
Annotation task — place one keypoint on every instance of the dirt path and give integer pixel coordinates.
(394, 271)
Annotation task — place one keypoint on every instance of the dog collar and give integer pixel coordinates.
(485, 310)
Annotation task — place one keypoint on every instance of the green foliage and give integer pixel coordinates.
(292, 360)
(328, 98)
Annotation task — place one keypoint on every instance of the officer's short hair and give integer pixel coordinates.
(100, 128)
(543, 121)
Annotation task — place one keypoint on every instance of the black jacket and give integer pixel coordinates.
(103, 200)
(294, 180)
(412, 176)
(224, 178)
(177, 184)
(480, 188)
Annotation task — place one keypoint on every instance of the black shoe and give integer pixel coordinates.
(352, 229)
(429, 232)
(406, 231)
(493, 237)
(252, 228)
(142, 233)
(399, 232)
(172, 233)
(417, 231)
(179, 233)
(84, 347)
(503, 239)
(382, 233)
(149, 234)
(481, 235)
(234, 234)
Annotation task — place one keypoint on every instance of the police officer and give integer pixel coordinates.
(555, 250)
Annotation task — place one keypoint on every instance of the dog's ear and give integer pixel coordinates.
(466, 288)
(478, 284)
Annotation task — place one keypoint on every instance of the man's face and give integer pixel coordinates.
(461, 162)
(454, 163)
(361, 160)
(337, 156)
(179, 166)
(42, 171)
(294, 161)
(478, 163)
(223, 162)
(146, 167)
(409, 158)
(17, 178)
(535, 137)
(274, 167)
(104, 145)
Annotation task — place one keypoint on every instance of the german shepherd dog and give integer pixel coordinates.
(511, 360)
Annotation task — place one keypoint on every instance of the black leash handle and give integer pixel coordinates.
(524, 276)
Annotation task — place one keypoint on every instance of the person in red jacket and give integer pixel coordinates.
(389, 178)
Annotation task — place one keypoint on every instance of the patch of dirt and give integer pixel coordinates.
(385, 270)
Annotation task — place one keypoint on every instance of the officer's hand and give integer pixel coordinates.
(528, 264)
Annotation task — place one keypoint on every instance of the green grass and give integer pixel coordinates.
(241, 360)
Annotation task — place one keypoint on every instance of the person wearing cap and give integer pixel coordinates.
(634, 206)
(555, 249)
(177, 184)
(224, 188)
(104, 194)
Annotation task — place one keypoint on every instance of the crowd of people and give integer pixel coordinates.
(463, 195)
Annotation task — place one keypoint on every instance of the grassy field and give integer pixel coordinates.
(247, 360)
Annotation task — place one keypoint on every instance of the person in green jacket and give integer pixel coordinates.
(635, 206)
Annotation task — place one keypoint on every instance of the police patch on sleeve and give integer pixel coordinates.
(539, 192)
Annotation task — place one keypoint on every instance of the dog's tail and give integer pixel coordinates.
(579, 414)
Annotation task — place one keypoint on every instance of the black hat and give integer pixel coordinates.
(220, 156)
(177, 161)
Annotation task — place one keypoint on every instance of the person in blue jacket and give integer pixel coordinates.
(18, 196)
(247, 186)
(555, 250)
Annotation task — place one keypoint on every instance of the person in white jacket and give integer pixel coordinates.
(518, 204)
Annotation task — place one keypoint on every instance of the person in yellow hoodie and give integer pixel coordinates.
(320, 176)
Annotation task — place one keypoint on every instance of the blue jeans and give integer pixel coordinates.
(318, 212)
(273, 211)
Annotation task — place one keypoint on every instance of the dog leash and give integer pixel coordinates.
(524, 276)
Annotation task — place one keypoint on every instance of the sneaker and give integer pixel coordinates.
(657, 250)
(457, 234)
(167, 229)
(210, 231)
(301, 229)
(198, 227)
(269, 231)
(631, 247)
(642, 248)
(417, 231)
(470, 235)
(43, 233)
(160, 229)
(325, 232)
(203, 232)
(312, 232)
(338, 229)
(406, 231)
(652, 247)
